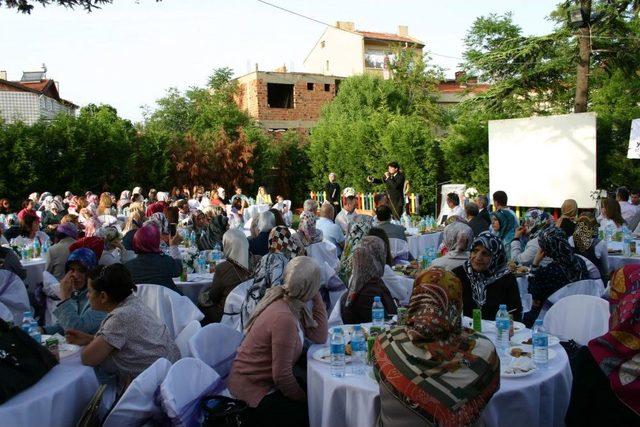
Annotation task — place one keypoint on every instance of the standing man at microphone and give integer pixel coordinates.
(332, 188)
(394, 180)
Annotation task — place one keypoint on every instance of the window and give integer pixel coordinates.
(279, 95)
(337, 85)
(327, 87)
(309, 86)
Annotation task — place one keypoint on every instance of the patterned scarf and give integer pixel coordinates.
(457, 237)
(618, 351)
(586, 230)
(307, 230)
(358, 228)
(444, 373)
(536, 220)
(280, 240)
(368, 263)
(497, 266)
(553, 242)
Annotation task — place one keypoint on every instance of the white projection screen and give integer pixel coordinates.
(541, 161)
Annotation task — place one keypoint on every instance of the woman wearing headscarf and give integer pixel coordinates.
(307, 230)
(565, 267)
(366, 283)
(74, 311)
(504, 224)
(606, 380)
(262, 373)
(151, 265)
(229, 274)
(458, 237)
(379, 232)
(431, 371)
(586, 243)
(52, 215)
(113, 248)
(134, 221)
(214, 232)
(259, 245)
(89, 221)
(359, 226)
(524, 246)
(568, 214)
(486, 280)
(124, 201)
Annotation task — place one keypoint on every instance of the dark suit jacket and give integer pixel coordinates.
(484, 214)
(395, 190)
(478, 225)
(333, 192)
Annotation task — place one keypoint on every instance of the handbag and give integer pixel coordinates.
(223, 411)
(23, 362)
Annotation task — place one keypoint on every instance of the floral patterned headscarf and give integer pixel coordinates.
(497, 267)
(307, 230)
(358, 228)
(368, 263)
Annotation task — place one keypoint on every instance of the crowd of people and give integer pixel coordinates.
(101, 246)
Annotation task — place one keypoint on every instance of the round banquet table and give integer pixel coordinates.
(196, 283)
(619, 261)
(35, 268)
(58, 399)
(419, 242)
(540, 399)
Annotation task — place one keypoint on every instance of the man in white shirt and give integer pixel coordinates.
(630, 213)
(331, 232)
(453, 201)
(347, 213)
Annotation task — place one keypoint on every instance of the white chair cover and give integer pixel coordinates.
(578, 317)
(13, 294)
(335, 318)
(187, 382)
(5, 313)
(324, 252)
(582, 287)
(232, 316)
(182, 340)
(51, 288)
(107, 220)
(400, 287)
(216, 345)
(173, 309)
(399, 248)
(138, 404)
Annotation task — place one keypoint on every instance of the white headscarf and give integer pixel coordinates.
(266, 221)
(235, 246)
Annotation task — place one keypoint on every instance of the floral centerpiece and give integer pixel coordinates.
(471, 193)
(189, 257)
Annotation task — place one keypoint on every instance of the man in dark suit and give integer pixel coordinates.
(474, 220)
(332, 188)
(394, 180)
(483, 208)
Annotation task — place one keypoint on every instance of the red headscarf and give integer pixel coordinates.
(27, 212)
(617, 351)
(155, 208)
(96, 244)
(147, 240)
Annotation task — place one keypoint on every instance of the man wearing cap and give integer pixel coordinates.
(64, 236)
(394, 180)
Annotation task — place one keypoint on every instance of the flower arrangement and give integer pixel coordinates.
(471, 193)
(597, 194)
(189, 258)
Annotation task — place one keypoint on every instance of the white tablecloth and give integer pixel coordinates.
(619, 261)
(196, 283)
(254, 210)
(418, 243)
(540, 399)
(34, 268)
(58, 399)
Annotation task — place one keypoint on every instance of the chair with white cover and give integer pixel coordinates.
(578, 317)
(324, 252)
(581, 287)
(399, 249)
(216, 345)
(138, 405)
(187, 382)
(232, 316)
(400, 287)
(51, 288)
(173, 309)
(182, 340)
(331, 287)
(13, 294)
(335, 317)
(5, 313)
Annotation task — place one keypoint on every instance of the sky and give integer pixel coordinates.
(129, 53)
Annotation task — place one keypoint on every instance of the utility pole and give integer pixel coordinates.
(584, 45)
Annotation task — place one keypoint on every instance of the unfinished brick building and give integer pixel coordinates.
(280, 100)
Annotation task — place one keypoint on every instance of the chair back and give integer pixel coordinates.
(216, 345)
(173, 309)
(13, 294)
(232, 316)
(182, 340)
(578, 317)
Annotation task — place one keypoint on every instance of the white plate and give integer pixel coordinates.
(520, 339)
(67, 350)
(324, 355)
(504, 374)
(529, 349)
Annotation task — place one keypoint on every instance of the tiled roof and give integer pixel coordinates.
(455, 87)
(389, 37)
(44, 87)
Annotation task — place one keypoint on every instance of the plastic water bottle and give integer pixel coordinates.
(503, 324)
(377, 312)
(337, 353)
(626, 241)
(540, 341)
(36, 248)
(27, 318)
(217, 253)
(201, 263)
(45, 247)
(192, 238)
(34, 332)
(358, 351)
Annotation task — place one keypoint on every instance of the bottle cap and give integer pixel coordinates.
(337, 330)
(357, 327)
(538, 322)
(503, 306)
(376, 299)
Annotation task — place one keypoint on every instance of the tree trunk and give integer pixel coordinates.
(582, 79)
